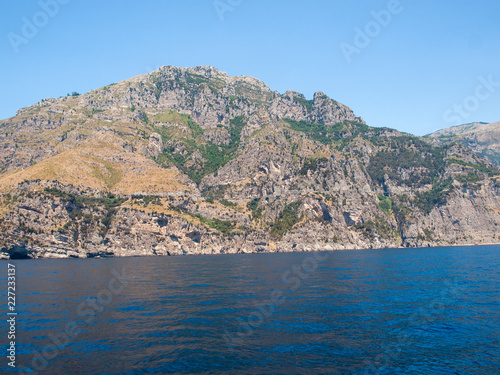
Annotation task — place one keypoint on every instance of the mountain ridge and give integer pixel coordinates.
(483, 138)
(191, 161)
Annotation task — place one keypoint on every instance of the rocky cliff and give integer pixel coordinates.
(193, 161)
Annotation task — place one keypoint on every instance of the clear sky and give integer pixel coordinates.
(413, 65)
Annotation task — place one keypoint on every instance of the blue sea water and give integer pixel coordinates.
(411, 311)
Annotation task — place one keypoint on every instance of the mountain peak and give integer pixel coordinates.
(204, 70)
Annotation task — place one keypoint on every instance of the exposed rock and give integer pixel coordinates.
(155, 145)
(193, 161)
(218, 136)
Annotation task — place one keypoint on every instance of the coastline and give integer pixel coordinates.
(311, 249)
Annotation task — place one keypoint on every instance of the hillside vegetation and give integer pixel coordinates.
(191, 160)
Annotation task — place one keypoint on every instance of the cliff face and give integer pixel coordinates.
(192, 161)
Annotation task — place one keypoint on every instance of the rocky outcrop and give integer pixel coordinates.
(57, 224)
(155, 145)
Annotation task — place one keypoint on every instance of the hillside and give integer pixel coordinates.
(482, 138)
(191, 160)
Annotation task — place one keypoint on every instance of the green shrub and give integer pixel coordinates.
(483, 168)
(196, 79)
(253, 206)
(236, 126)
(435, 197)
(286, 220)
(216, 155)
(306, 103)
(328, 134)
(317, 132)
(145, 200)
(81, 202)
(469, 178)
(91, 112)
(311, 164)
(223, 226)
(424, 162)
(367, 228)
(227, 203)
(385, 204)
(144, 117)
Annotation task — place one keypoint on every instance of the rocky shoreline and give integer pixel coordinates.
(192, 161)
(51, 225)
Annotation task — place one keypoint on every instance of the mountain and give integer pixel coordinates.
(193, 161)
(480, 137)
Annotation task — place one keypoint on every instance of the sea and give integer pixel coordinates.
(392, 311)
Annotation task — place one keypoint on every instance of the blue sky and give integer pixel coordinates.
(413, 65)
